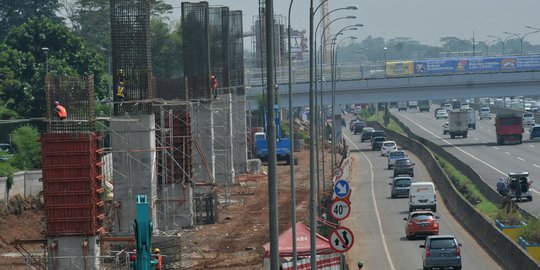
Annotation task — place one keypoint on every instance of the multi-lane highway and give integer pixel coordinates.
(377, 220)
(481, 151)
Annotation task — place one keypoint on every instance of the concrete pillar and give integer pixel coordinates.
(239, 134)
(202, 130)
(134, 161)
(223, 144)
(66, 252)
(176, 207)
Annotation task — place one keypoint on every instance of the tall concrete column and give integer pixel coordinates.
(240, 134)
(202, 126)
(134, 160)
(67, 252)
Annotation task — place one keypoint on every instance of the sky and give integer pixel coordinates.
(424, 20)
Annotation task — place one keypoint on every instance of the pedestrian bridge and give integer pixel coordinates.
(411, 88)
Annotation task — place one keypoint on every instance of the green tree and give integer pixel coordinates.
(15, 13)
(166, 48)
(27, 148)
(68, 56)
(454, 44)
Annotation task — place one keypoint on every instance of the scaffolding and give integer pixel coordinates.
(219, 46)
(237, 52)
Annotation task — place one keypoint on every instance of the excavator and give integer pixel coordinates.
(143, 227)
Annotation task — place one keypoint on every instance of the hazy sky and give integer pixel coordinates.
(423, 20)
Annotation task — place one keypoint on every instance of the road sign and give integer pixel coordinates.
(341, 239)
(338, 172)
(340, 209)
(341, 188)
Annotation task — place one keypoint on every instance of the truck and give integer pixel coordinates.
(423, 105)
(402, 106)
(412, 104)
(283, 144)
(509, 128)
(458, 124)
(472, 118)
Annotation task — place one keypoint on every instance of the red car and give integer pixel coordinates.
(421, 223)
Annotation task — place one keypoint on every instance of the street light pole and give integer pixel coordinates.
(500, 39)
(291, 138)
(312, 195)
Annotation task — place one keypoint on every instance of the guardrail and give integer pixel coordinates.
(509, 253)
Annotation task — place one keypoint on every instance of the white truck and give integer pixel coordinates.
(402, 106)
(458, 124)
(471, 118)
(412, 104)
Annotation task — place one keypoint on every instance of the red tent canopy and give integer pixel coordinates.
(302, 243)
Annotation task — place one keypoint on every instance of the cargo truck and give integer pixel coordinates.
(412, 104)
(283, 144)
(509, 128)
(471, 118)
(402, 106)
(423, 105)
(458, 124)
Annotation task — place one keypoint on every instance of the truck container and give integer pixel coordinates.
(471, 118)
(458, 124)
(402, 106)
(509, 128)
(423, 105)
(412, 104)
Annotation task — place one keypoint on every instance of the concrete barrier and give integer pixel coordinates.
(25, 183)
(509, 253)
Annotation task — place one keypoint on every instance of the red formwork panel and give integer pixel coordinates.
(72, 182)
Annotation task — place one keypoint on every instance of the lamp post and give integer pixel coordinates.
(500, 39)
(522, 37)
(385, 49)
(46, 52)
(291, 138)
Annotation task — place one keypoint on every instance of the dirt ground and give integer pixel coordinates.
(236, 241)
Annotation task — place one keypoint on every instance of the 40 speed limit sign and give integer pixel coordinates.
(340, 209)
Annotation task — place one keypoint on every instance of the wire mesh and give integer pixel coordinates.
(169, 89)
(131, 54)
(237, 52)
(219, 45)
(76, 94)
(195, 21)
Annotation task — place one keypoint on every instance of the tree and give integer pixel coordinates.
(454, 44)
(27, 148)
(23, 57)
(15, 13)
(166, 49)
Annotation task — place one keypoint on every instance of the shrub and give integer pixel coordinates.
(531, 232)
(509, 218)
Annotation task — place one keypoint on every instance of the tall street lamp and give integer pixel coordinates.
(499, 39)
(291, 138)
(521, 37)
(46, 52)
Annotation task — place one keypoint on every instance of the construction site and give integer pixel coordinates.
(167, 165)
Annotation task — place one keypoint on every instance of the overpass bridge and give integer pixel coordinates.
(353, 91)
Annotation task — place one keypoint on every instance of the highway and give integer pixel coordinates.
(377, 220)
(481, 151)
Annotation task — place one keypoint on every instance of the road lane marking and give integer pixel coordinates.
(521, 159)
(489, 130)
(484, 142)
(376, 206)
(495, 147)
(463, 151)
(508, 153)
(476, 139)
(536, 166)
(531, 145)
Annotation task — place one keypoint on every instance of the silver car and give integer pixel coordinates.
(441, 251)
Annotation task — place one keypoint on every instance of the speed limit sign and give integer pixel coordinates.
(340, 209)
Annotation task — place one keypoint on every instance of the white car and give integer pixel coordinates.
(464, 106)
(395, 155)
(484, 112)
(441, 114)
(528, 119)
(387, 147)
(445, 129)
(448, 107)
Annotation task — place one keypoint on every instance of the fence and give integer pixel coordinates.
(25, 183)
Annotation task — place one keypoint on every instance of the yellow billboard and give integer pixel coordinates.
(399, 68)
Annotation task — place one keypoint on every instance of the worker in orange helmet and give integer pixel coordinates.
(60, 111)
(214, 84)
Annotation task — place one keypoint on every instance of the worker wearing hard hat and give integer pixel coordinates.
(159, 265)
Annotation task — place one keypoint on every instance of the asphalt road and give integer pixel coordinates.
(481, 152)
(377, 220)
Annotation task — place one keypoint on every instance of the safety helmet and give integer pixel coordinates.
(156, 250)
(360, 264)
(56, 103)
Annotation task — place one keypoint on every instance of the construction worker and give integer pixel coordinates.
(159, 265)
(214, 84)
(60, 111)
(360, 265)
(120, 87)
